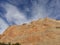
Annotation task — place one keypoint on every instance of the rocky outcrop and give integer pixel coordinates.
(41, 32)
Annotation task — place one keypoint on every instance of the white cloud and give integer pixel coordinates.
(38, 11)
(14, 15)
(3, 26)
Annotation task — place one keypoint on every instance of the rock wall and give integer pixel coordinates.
(41, 32)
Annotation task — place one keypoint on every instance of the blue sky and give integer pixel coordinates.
(17, 12)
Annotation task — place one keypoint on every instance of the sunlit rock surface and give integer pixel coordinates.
(41, 32)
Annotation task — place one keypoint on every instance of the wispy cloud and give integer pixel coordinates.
(38, 11)
(3, 26)
(13, 15)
